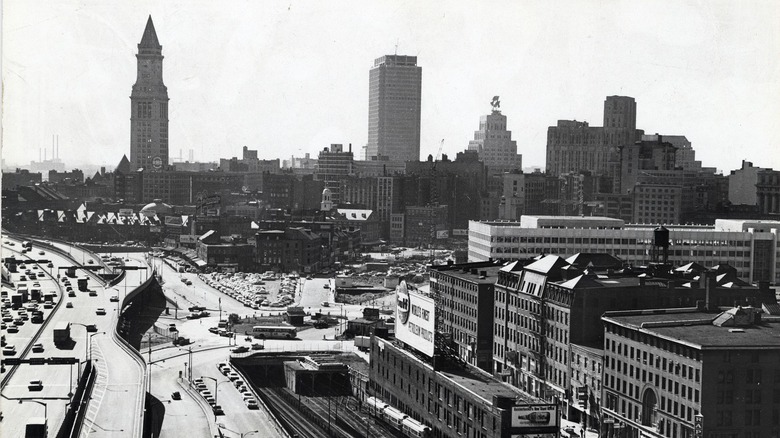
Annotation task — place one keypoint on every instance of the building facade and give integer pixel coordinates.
(333, 166)
(574, 146)
(394, 96)
(149, 106)
(688, 373)
(750, 246)
(494, 144)
(466, 292)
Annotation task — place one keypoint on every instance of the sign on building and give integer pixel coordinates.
(536, 418)
(124, 212)
(415, 319)
(442, 234)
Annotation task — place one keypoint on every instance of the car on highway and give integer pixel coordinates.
(41, 253)
(50, 265)
(9, 350)
(93, 293)
(37, 348)
(252, 404)
(100, 311)
(205, 393)
(91, 328)
(257, 346)
(218, 410)
(69, 305)
(246, 395)
(114, 298)
(240, 349)
(214, 330)
(233, 376)
(201, 386)
(35, 385)
(176, 395)
(12, 329)
(222, 365)
(48, 305)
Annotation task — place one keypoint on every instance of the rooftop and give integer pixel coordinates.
(698, 329)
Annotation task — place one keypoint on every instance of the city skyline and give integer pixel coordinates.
(714, 67)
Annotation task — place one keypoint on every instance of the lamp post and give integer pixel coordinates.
(216, 391)
(247, 433)
(89, 356)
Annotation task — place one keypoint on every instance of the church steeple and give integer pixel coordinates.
(149, 40)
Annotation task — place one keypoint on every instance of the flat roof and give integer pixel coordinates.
(483, 386)
(696, 329)
(490, 278)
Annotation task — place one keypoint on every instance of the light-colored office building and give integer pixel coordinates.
(394, 95)
(494, 144)
(752, 247)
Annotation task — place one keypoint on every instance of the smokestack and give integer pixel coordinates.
(350, 147)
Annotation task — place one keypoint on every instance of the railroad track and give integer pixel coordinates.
(289, 416)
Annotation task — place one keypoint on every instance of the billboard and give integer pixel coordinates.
(415, 319)
(442, 234)
(537, 418)
(125, 212)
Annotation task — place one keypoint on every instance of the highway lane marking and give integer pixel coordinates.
(102, 371)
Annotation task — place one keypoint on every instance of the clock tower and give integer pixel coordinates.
(149, 107)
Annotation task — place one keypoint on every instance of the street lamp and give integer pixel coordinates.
(247, 433)
(216, 390)
(87, 340)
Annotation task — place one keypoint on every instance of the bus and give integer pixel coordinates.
(272, 331)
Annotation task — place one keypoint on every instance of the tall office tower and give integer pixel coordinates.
(149, 107)
(494, 143)
(394, 88)
(574, 146)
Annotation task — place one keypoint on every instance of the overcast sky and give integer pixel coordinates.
(291, 77)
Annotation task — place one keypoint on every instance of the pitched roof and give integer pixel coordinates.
(150, 36)
(546, 264)
(580, 282)
(124, 165)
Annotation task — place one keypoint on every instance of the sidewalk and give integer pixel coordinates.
(570, 429)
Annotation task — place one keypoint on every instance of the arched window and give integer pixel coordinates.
(649, 403)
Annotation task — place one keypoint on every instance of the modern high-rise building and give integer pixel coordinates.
(494, 144)
(394, 90)
(149, 107)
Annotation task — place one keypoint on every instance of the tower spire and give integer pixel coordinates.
(150, 36)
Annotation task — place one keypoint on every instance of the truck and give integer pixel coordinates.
(35, 428)
(61, 333)
(83, 284)
(363, 343)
